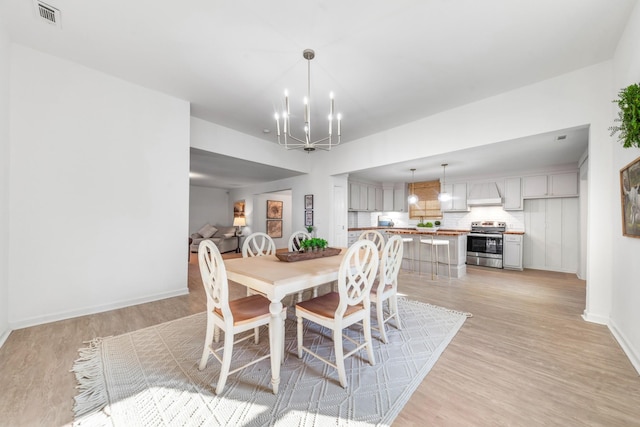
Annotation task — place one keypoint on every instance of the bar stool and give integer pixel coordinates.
(409, 240)
(434, 244)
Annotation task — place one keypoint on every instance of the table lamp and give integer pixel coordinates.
(239, 222)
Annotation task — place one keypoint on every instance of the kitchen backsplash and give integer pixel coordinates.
(452, 220)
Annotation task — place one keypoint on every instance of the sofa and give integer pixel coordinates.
(223, 237)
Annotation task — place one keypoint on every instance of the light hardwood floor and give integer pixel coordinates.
(525, 358)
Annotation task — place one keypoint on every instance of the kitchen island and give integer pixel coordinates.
(417, 256)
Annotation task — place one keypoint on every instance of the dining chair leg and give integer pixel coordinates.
(393, 305)
(256, 335)
(380, 312)
(226, 361)
(366, 323)
(207, 342)
(299, 337)
(216, 333)
(337, 344)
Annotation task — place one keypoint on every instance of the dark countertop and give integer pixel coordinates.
(401, 230)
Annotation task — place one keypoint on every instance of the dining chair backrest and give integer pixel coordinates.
(214, 278)
(390, 263)
(356, 275)
(375, 236)
(258, 244)
(295, 240)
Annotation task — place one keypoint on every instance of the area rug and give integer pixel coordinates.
(150, 377)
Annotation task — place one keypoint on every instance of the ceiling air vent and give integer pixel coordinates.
(47, 13)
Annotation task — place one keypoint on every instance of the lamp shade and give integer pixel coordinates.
(239, 221)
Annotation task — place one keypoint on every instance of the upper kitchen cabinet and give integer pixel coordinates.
(513, 194)
(553, 185)
(354, 196)
(458, 201)
(365, 197)
(400, 197)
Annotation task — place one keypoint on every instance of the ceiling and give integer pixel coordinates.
(388, 62)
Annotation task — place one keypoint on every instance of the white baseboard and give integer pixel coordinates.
(34, 321)
(595, 318)
(634, 356)
(4, 336)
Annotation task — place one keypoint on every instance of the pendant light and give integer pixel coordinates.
(413, 198)
(444, 196)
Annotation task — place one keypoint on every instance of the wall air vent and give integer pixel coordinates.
(47, 13)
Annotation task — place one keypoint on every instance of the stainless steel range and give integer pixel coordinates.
(484, 243)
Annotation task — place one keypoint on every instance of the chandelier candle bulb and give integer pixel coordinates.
(286, 101)
(331, 110)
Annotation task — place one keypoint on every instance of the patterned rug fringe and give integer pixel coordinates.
(437, 307)
(88, 369)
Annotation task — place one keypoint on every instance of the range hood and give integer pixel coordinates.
(484, 194)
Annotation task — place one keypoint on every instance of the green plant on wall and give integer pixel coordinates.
(628, 116)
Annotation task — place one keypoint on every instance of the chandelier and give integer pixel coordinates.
(291, 142)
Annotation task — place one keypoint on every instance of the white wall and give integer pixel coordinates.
(625, 312)
(98, 191)
(4, 183)
(209, 205)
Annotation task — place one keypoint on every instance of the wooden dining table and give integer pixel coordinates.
(276, 279)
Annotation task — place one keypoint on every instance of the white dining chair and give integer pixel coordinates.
(386, 286)
(375, 236)
(294, 245)
(232, 317)
(258, 244)
(350, 305)
(295, 240)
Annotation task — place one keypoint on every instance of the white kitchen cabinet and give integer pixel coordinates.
(352, 237)
(378, 199)
(513, 194)
(354, 196)
(400, 197)
(534, 186)
(371, 198)
(387, 199)
(551, 239)
(512, 252)
(364, 197)
(458, 201)
(563, 184)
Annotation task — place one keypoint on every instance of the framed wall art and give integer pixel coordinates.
(308, 201)
(274, 228)
(238, 209)
(274, 209)
(630, 198)
(308, 218)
